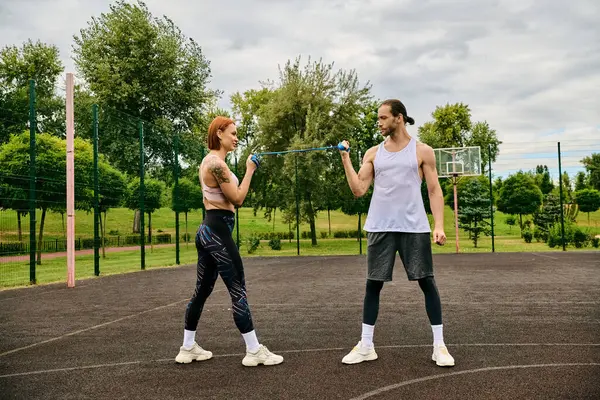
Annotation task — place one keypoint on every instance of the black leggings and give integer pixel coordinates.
(219, 255)
(433, 305)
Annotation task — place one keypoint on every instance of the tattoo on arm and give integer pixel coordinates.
(218, 172)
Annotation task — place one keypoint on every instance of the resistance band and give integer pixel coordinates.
(256, 157)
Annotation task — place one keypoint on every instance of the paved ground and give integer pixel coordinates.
(520, 326)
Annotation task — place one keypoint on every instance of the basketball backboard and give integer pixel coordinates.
(458, 161)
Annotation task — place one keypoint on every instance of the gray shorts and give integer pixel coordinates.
(414, 250)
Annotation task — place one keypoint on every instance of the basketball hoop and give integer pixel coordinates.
(453, 162)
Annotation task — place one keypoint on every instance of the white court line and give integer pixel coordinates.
(383, 303)
(90, 328)
(401, 346)
(115, 320)
(468, 371)
(543, 255)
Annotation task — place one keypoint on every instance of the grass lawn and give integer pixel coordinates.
(14, 273)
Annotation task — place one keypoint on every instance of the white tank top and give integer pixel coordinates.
(397, 203)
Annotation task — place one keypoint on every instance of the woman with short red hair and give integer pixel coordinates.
(217, 252)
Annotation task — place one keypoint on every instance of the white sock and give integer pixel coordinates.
(251, 340)
(438, 335)
(367, 335)
(189, 337)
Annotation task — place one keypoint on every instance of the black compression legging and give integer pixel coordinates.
(219, 255)
(433, 305)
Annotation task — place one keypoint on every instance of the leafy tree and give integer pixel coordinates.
(111, 192)
(474, 207)
(33, 60)
(546, 216)
(452, 127)
(313, 106)
(484, 136)
(510, 221)
(154, 190)
(50, 173)
(588, 201)
(581, 181)
(139, 66)
(189, 199)
(519, 195)
(567, 187)
(592, 166)
(542, 179)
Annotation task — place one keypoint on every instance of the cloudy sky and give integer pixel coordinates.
(531, 69)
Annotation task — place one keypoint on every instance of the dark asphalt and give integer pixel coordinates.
(520, 326)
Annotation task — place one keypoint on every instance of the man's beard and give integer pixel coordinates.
(389, 131)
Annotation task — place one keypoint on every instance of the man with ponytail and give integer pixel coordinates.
(397, 222)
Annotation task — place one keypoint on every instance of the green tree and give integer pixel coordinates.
(154, 190)
(50, 173)
(592, 166)
(546, 216)
(484, 136)
(581, 181)
(189, 199)
(519, 196)
(111, 192)
(542, 179)
(474, 207)
(588, 201)
(245, 107)
(567, 187)
(313, 106)
(17, 199)
(33, 60)
(452, 127)
(510, 221)
(139, 66)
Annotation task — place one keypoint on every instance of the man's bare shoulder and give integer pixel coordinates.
(370, 154)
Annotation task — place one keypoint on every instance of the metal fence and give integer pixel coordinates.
(133, 213)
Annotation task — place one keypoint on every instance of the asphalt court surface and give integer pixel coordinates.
(519, 325)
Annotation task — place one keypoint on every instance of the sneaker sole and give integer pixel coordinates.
(370, 358)
(187, 360)
(267, 363)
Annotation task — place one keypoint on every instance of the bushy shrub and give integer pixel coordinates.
(275, 244)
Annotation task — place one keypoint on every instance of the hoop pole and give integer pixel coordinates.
(454, 181)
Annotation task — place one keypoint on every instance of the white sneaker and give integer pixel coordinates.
(196, 353)
(359, 354)
(262, 356)
(442, 357)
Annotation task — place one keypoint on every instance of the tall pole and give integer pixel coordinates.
(70, 184)
(562, 207)
(32, 179)
(176, 173)
(297, 210)
(96, 195)
(142, 194)
(491, 194)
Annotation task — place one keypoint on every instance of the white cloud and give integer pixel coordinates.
(529, 68)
